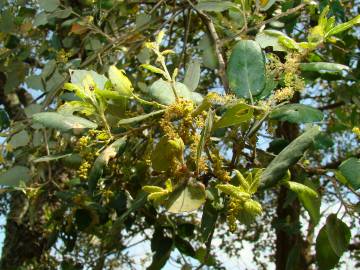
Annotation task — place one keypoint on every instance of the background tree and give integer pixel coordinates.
(177, 123)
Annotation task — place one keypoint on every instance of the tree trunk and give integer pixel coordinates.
(290, 247)
(24, 239)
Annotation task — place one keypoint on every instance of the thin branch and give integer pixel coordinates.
(217, 44)
(272, 19)
(332, 106)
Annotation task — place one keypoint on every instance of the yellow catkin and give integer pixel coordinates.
(283, 94)
(217, 165)
(356, 130)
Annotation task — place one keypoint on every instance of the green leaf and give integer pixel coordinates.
(161, 246)
(343, 26)
(266, 4)
(166, 153)
(184, 247)
(310, 203)
(63, 122)
(235, 114)
(68, 108)
(301, 189)
(338, 233)
(208, 220)
(205, 134)
(192, 75)
(270, 38)
(114, 95)
(7, 21)
(153, 69)
(41, 19)
(4, 119)
(204, 257)
(246, 69)
(62, 13)
(14, 176)
(32, 109)
(288, 157)
(233, 191)
(350, 169)
(139, 118)
(142, 19)
(49, 5)
(102, 160)
(152, 189)
(208, 55)
(186, 198)
(162, 91)
(215, 6)
(297, 113)
(51, 157)
(325, 255)
(293, 259)
(20, 139)
(34, 82)
(323, 67)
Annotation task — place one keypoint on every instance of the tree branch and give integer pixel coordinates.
(272, 19)
(217, 44)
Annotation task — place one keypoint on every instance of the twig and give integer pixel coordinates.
(217, 45)
(187, 24)
(261, 24)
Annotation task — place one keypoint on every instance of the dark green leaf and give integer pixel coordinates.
(338, 234)
(288, 157)
(205, 134)
(246, 69)
(293, 259)
(4, 119)
(325, 255)
(161, 246)
(350, 169)
(184, 247)
(102, 160)
(14, 176)
(139, 118)
(297, 113)
(208, 220)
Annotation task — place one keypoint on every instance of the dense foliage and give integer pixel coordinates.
(179, 124)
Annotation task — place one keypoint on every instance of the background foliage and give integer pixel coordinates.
(179, 123)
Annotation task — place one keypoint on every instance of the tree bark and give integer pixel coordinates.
(290, 246)
(24, 238)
